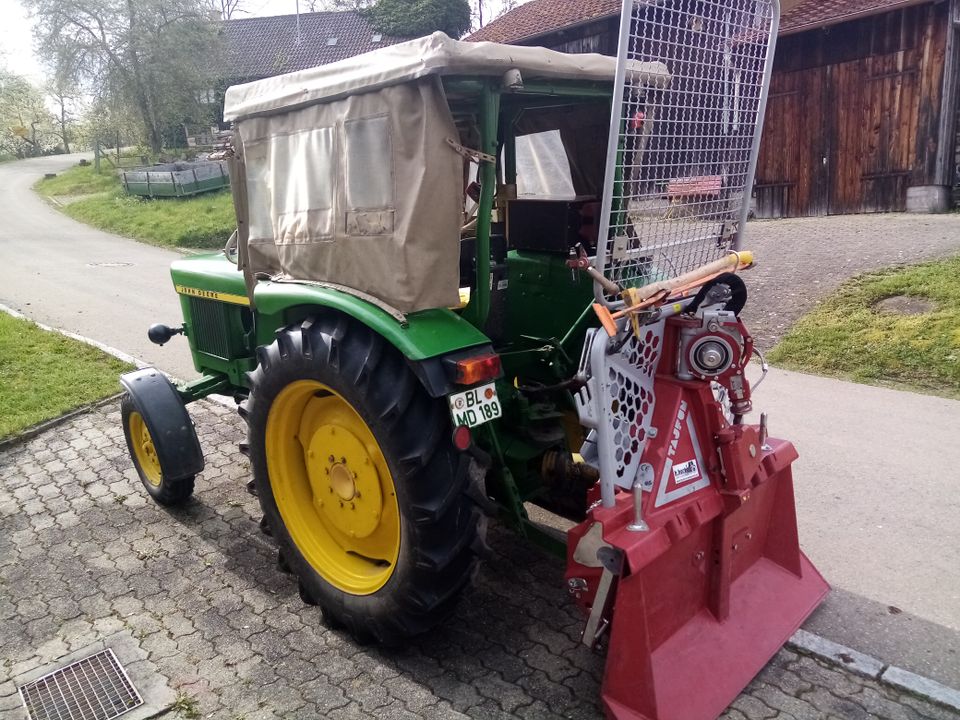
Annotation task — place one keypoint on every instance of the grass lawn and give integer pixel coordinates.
(44, 375)
(78, 180)
(202, 221)
(848, 336)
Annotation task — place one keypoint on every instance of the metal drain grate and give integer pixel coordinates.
(94, 688)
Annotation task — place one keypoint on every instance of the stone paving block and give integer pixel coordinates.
(198, 591)
(396, 711)
(777, 699)
(414, 695)
(442, 711)
(351, 711)
(926, 710)
(753, 707)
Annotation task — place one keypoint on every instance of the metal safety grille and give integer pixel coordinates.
(617, 403)
(95, 688)
(683, 150)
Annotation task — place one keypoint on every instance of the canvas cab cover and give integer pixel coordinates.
(345, 170)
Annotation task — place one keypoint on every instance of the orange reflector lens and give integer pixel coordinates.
(471, 371)
(462, 438)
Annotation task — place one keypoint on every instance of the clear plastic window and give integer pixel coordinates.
(258, 191)
(293, 162)
(369, 164)
(543, 169)
(302, 198)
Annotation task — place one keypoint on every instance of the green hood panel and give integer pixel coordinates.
(426, 334)
(210, 275)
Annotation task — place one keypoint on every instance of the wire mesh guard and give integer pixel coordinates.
(685, 153)
(94, 688)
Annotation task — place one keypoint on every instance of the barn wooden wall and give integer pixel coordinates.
(854, 110)
(601, 37)
(854, 115)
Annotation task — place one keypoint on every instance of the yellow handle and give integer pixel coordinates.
(648, 296)
(731, 263)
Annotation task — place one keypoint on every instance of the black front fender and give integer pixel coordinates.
(171, 429)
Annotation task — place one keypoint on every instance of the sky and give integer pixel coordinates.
(16, 33)
(16, 41)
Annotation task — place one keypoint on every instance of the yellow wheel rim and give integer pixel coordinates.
(333, 488)
(143, 450)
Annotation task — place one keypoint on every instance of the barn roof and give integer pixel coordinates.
(540, 17)
(260, 47)
(811, 14)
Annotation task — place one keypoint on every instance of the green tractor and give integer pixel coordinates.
(457, 291)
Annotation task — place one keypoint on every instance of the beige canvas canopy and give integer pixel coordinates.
(346, 172)
(434, 54)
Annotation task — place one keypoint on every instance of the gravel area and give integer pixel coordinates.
(801, 260)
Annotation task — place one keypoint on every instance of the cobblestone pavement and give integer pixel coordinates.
(84, 554)
(801, 260)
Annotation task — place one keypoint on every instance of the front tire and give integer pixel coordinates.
(143, 452)
(359, 481)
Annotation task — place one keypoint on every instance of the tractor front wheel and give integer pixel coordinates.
(359, 481)
(143, 452)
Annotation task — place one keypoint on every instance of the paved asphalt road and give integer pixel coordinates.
(877, 495)
(70, 276)
(877, 505)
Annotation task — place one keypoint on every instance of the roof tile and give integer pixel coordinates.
(261, 47)
(539, 17)
(817, 13)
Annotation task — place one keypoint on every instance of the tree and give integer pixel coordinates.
(336, 5)
(224, 9)
(154, 55)
(415, 18)
(485, 11)
(63, 90)
(26, 126)
(106, 120)
(64, 98)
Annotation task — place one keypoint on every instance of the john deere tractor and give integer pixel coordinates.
(472, 280)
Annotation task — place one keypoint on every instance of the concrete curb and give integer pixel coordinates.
(119, 354)
(32, 432)
(867, 666)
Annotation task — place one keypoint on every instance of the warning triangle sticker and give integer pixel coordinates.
(684, 471)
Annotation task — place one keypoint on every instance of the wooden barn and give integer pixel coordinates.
(863, 113)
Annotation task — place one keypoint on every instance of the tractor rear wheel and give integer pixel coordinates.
(143, 452)
(359, 481)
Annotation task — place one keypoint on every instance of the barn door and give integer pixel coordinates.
(841, 138)
(792, 172)
(875, 107)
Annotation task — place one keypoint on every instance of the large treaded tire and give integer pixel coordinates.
(441, 528)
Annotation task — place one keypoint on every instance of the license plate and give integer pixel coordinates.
(475, 407)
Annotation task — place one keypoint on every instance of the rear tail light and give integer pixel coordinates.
(462, 438)
(474, 370)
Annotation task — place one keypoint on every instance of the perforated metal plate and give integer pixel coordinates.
(618, 401)
(94, 688)
(682, 154)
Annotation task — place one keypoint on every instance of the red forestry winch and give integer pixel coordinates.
(693, 579)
